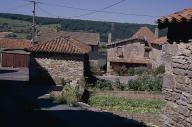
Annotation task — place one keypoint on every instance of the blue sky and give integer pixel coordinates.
(52, 8)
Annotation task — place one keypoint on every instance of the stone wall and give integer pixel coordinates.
(133, 49)
(156, 56)
(177, 85)
(57, 67)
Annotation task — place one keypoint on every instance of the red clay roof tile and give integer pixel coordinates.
(184, 15)
(61, 44)
(144, 33)
(160, 41)
(14, 43)
(84, 37)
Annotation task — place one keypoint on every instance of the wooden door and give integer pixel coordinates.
(14, 60)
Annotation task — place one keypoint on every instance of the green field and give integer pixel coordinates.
(16, 23)
(126, 104)
(21, 28)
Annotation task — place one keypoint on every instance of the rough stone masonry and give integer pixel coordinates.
(177, 85)
(58, 67)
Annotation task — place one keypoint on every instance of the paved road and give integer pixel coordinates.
(14, 74)
(23, 105)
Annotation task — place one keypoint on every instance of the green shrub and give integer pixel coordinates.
(123, 70)
(159, 70)
(131, 71)
(57, 97)
(104, 85)
(140, 70)
(96, 70)
(146, 83)
(118, 85)
(70, 94)
(64, 82)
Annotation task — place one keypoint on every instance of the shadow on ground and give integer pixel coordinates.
(2, 71)
(18, 109)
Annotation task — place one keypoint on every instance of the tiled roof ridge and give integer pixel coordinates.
(14, 43)
(178, 16)
(61, 45)
(144, 32)
(69, 39)
(160, 40)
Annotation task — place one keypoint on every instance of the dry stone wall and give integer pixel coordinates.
(59, 67)
(177, 85)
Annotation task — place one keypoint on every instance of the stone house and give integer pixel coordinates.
(12, 53)
(58, 59)
(143, 49)
(177, 81)
(90, 39)
(157, 52)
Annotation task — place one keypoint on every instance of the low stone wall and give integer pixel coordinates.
(58, 67)
(177, 85)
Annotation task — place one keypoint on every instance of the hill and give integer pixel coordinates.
(20, 25)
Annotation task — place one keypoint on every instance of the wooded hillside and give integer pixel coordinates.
(10, 22)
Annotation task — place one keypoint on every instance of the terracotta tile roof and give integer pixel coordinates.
(144, 33)
(66, 45)
(14, 43)
(84, 37)
(160, 41)
(127, 40)
(180, 16)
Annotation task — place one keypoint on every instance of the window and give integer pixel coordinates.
(119, 51)
(92, 48)
(146, 54)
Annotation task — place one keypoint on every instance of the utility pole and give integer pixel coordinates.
(33, 25)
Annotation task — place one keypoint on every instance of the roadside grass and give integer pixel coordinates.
(126, 104)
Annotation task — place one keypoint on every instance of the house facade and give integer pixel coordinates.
(141, 50)
(62, 58)
(157, 51)
(90, 39)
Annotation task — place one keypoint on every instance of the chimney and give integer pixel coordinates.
(156, 32)
(109, 37)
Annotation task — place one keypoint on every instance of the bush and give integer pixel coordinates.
(141, 70)
(146, 83)
(64, 82)
(123, 70)
(96, 70)
(29, 37)
(104, 85)
(70, 94)
(118, 85)
(57, 97)
(131, 71)
(159, 70)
